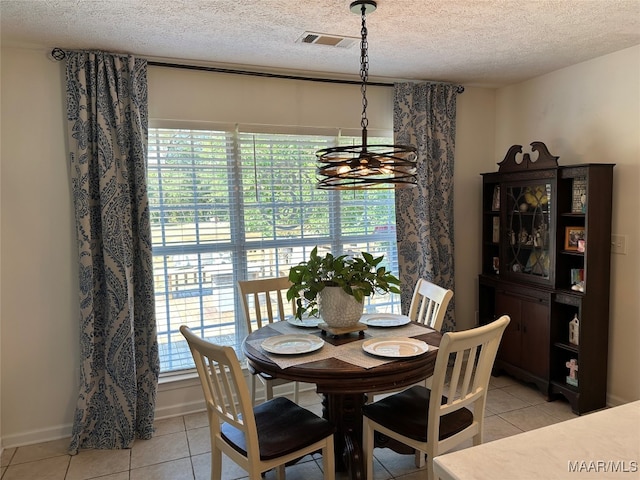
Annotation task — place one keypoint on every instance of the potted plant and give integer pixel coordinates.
(335, 287)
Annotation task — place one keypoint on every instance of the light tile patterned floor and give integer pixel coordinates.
(179, 449)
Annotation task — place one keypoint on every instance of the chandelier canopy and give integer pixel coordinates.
(359, 167)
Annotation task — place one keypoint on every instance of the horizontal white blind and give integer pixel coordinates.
(229, 206)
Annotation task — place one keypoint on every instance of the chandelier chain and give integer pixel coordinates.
(364, 67)
(366, 167)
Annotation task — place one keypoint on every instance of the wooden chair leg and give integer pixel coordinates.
(430, 472)
(216, 463)
(268, 390)
(367, 448)
(328, 461)
(253, 390)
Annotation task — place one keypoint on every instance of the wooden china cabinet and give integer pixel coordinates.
(546, 243)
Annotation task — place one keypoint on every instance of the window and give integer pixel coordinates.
(228, 206)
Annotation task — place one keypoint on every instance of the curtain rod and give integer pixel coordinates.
(59, 54)
(264, 74)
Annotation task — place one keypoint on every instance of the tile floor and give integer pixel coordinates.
(179, 449)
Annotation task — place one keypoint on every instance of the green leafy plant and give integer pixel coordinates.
(358, 276)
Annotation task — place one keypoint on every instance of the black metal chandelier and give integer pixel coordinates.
(365, 166)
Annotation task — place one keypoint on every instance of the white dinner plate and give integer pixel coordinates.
(395, 347)
(384, 320)
(292, 344)
(306, 322)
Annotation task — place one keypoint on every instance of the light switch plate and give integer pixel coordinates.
(619, 244)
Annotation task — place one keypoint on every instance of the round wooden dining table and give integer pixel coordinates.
(344, 385)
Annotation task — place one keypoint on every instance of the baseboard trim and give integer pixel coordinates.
(37, 436)
(615, 401)
(180, 409)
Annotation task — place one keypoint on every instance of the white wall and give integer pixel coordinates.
(39, 348)
(38, 312)
(590, 113)
(474, 155)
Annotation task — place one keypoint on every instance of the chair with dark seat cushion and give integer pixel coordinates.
(258, 439)
(434, 420)
(428, 307)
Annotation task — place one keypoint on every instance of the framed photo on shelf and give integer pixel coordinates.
(495, 204)
(571, 237)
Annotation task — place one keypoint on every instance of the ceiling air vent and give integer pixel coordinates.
(324, 39)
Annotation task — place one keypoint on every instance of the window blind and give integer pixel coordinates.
(230, 205)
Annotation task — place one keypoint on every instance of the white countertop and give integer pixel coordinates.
(600, 445)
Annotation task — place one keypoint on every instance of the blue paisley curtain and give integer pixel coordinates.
(119, 364)
(425, 116)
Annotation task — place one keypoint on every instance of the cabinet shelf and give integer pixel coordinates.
(529, 212)
(565, 387)
(538, 202)
(524, 246)
(573, 253)
(568, 291)
(566, 346)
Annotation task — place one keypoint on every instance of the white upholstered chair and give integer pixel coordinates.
(434, 420)
(265, 301)
(257, 439)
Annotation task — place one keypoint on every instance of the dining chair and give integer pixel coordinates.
(258, 438)
(428, 307)
(429, 304)
(263, 302)
(434, 420)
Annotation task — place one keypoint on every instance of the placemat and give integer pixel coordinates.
(286, 328)
(286, 361)
(353, 353)
(408, 330)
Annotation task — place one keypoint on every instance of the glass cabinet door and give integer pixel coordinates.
(528, 223)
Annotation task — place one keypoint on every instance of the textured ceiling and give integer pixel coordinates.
(473, 42)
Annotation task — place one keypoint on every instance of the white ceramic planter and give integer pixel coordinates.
(337, 308)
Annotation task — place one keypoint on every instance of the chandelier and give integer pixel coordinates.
(366, 166)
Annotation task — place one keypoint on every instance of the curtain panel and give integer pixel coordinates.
(425, 116)
(107, 134)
